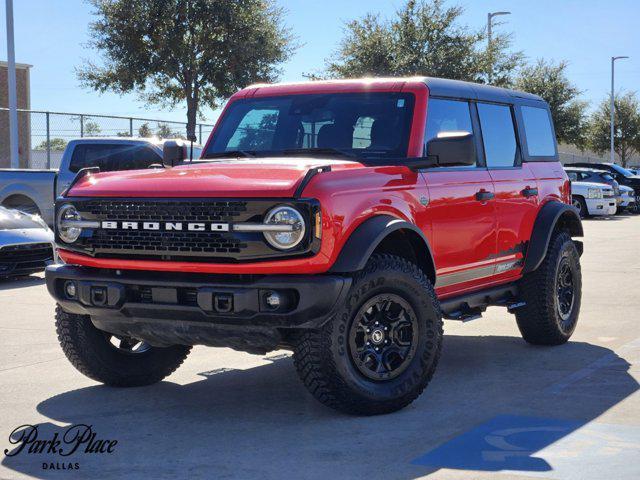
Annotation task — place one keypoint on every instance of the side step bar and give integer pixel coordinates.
(470, 307)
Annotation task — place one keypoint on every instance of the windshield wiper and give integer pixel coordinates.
(318, 151)
(231, 153)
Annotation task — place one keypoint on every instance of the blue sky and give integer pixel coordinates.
(51, 35)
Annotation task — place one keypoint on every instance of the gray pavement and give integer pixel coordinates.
(497, 407)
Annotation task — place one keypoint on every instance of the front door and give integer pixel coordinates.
(461, 208)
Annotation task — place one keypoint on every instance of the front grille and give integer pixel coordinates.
(181, 245)
(158, 242)
(16, 259)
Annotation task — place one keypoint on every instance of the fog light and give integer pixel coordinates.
(273, 300)
(70, 289)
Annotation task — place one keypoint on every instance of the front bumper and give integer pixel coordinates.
(25, 251)
(601, 206)
(216, 310)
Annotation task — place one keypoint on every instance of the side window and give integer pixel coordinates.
(573, 176)
(498, 134)
(537, 130)
(255, 131)
(112, 157)
(136, 158)
(447, 116)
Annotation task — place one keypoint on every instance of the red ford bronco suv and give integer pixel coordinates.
(338, 219)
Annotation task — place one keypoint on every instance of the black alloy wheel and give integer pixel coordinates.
(382, 337)
(565, 291)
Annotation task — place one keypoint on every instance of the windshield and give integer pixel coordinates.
(621, 171)
(361, 125)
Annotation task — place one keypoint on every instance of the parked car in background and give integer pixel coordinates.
(628, 199)
(26, 243)
(591, 198)
(635, 171)
(34, 191)
(621, 175)
(594, 176)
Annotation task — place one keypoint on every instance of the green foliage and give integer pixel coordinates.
(91, 128)
(54, 144)
(626, 127)
(164, 131)
(424, 38)
(145, 130)
(549, 80)
(198, 51)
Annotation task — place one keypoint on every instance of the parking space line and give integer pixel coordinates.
(605, 361)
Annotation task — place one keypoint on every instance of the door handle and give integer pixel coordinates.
(483, 196)
(529, 192)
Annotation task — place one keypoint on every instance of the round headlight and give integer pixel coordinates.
(286, 217)
(68, 234)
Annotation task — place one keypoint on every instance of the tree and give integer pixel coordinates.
(198, 51)
(626, 127)
(91, 128)
(164, 131)
(549, 80)
(144, 130)
(425, 38)
(54, 144)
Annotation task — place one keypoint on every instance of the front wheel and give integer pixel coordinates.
(380, 350)
(552, 294)
(114, 360)
(580, 205)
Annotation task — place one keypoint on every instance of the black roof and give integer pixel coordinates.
(442, 87)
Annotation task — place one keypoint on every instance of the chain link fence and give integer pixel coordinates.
(44, 135)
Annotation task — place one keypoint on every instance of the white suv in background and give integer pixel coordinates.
(592, 198)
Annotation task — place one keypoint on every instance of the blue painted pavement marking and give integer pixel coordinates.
(542, 447)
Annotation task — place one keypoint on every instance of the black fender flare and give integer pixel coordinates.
(549, 216)
(365, 239)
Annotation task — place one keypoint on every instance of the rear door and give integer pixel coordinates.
(515, 185)
(461, 207)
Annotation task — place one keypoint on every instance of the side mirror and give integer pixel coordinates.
(174, 152)
(452, 149)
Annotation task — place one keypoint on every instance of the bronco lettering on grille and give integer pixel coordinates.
(167, 226)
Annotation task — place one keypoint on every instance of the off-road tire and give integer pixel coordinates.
(89, 351)
(540, 322)
(323, 359)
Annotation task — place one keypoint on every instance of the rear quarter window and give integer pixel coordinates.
(538, 132)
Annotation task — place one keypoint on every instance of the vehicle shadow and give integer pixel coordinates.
(260, 422)
(20, 282)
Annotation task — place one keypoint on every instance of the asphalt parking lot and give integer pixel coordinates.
(497, 407)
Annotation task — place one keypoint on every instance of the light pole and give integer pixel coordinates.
(13, 97)
(489, 21)
(613, 106)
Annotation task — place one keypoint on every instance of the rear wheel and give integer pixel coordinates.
(380, 350)
(580, 205)
(552, 294)
(114, 360)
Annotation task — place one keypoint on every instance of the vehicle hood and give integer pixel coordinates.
(16, 220)
(604, 186)
(265, 177)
